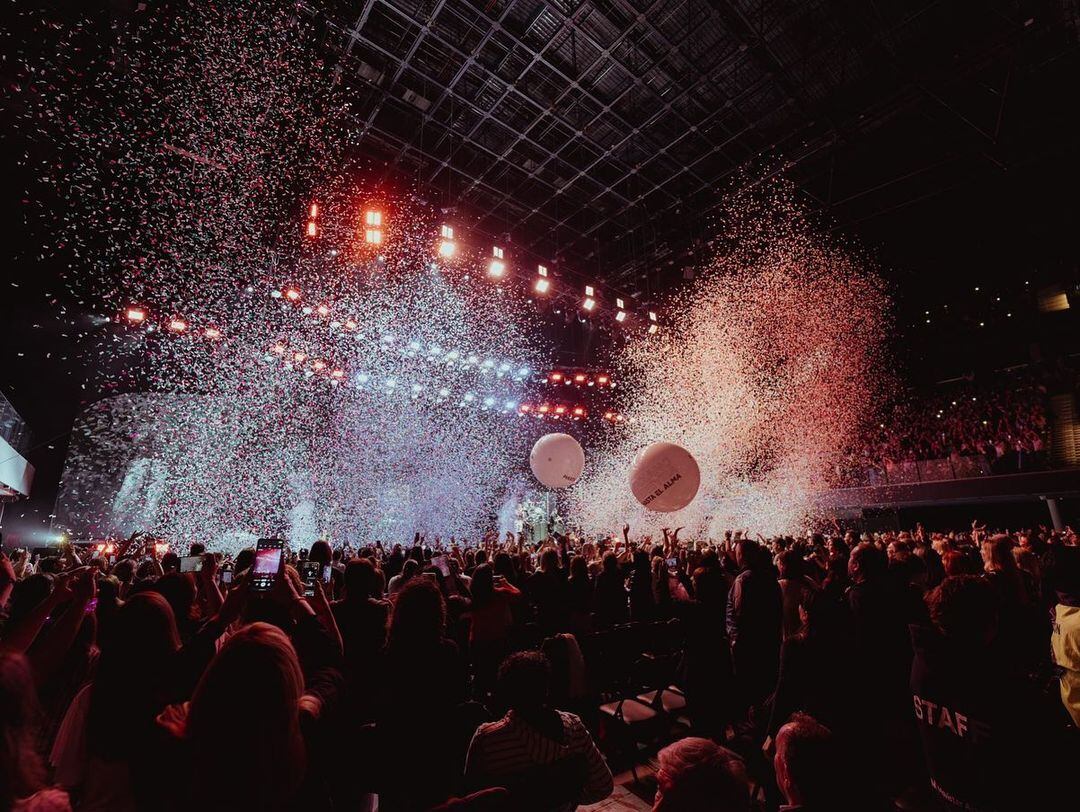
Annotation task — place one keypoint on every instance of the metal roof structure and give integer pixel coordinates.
(601, 133)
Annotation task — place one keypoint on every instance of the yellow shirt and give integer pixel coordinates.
(1065, 645)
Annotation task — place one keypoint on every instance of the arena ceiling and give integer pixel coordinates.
(602, 133)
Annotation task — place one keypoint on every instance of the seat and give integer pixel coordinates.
(629, 711)
(669, 700)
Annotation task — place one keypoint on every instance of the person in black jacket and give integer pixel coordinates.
(754, 624)
(882, 608)
(610, 598)
(981, 725)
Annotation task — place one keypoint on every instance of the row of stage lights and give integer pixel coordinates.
(564, 378)
(324, 312)
(497, 267)
(312, 367)
(315, 366)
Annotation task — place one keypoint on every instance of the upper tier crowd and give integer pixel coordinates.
(908, 670)
(1005, 425)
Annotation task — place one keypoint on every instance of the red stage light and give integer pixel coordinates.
(602, 380)
(609, 415)
(556, 376)
(579, 411)
(136, 315)
(560, 410)
(177, 325)
(525, 407)
(579, 378)
(314, 210)
(544, 409)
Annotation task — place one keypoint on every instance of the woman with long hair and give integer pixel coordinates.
(22, 771)
(424, 685)
(249, 754)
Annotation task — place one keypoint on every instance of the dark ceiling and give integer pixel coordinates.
(603, 132)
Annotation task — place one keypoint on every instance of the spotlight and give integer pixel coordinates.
(609, 415)
(299, 357)
(177, 325)
(603, 380)
(322, 310)
(312, 229)
(589, 303)
(489, 402)
(620, 316)
(590, 290)
(496, 267)
(579, 378)
(652, 316)
(525, 408)
(444, 392)
(556, 377)
(447, 246)
(212, 333)
(653, 329)
(373, 232)
(135, 315)
(579, 411)
(560, 410)
(314, 210)
(350, 324)
(337, 374)
(543, 408)
(543, 284)
(278, 349)
(318, 364)
(620, 304)
(292, 294)
(363, 377)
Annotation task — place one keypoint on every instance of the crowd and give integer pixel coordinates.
(1006, 425)
(828, 672)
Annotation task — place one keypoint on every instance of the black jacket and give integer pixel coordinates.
(980, 724)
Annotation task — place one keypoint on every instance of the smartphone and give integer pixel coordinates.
(191, 563)
(268, 557)
(310, 572)
(441, 564)
(673, 563)
(226, 575)
(327, 571)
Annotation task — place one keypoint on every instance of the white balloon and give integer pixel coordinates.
(665, 477)
(557, 460)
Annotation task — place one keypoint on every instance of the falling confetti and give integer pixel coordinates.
(769, 366)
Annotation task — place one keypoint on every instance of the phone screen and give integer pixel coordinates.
(673, 563)
(326, 571)
(310, 571)
(191, 563)
(226, 576)
(268, 554)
